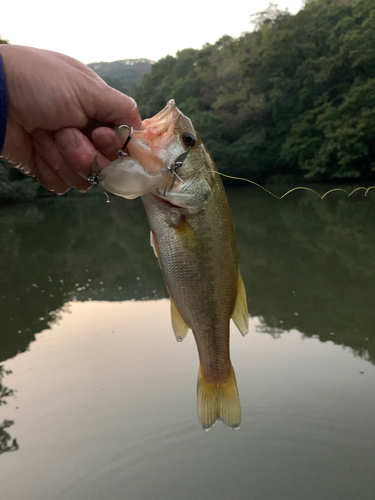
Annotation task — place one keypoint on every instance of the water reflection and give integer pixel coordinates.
(105, 398)
(4, 391)
(107, 410)
(7, 443)
(69, 249)
(307, 264)
(310, 266)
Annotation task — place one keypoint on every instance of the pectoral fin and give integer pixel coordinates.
(179, 326)
(240, 314)
(187, 237)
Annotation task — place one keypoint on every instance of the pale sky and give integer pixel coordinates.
(107, 31)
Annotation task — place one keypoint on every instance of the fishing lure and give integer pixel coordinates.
(128, 177)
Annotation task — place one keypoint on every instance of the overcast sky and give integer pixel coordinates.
(107, 31)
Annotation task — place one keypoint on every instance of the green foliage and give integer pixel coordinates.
(123, 75)
(171, 77)
(333, 135)
(295, 96)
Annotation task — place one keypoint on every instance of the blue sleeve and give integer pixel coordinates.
(3, 105)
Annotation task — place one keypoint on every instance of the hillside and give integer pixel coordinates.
(124, 75)
(295, 97)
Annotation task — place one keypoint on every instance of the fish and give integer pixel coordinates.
(194, 240)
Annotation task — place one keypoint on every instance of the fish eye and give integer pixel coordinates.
(188, 139)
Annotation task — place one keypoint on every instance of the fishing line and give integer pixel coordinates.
(299, 188)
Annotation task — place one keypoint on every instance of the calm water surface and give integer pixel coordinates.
(97, 399)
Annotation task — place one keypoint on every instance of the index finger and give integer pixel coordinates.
(118, 109)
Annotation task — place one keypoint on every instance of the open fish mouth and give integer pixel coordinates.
(155, 145)
(165, 159)
(163, 113)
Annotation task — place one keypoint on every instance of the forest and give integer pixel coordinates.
(293, 98)
(124, 75)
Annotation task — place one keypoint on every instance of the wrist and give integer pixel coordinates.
(3, 104)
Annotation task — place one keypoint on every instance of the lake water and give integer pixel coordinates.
(98, 399)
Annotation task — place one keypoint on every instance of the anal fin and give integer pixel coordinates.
(240, 314)
(179, 326)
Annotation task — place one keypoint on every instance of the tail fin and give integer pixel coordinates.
(218, 402)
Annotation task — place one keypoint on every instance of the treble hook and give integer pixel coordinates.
(95, 171)
(94, 177)
(126, 136)
(177, 163)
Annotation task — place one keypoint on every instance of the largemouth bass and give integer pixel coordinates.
(193, 236)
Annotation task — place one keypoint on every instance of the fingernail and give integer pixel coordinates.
(66, 140)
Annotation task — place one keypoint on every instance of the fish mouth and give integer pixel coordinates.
(150, 145)
(160, 123)
(164, 112)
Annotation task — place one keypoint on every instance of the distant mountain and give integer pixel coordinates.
(124, 75)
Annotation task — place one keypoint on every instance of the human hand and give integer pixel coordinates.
(56, 105)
